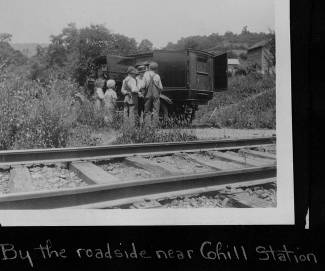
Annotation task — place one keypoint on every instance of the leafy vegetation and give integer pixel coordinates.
(248, 103)
(148, 134)
(256, 112)
(8, 55)
(32, 115)
(215, 41)
(40, 108)
(72, 52)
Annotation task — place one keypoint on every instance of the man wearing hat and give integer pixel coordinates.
(153, 87)
(130, 90)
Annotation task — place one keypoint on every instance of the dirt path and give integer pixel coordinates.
(222, 133)
(215, 133)
(105, 136)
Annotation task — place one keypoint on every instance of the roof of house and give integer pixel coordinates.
(233, 61)
(259, 44)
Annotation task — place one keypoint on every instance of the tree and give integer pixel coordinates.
(231, 54)
(8, 55)
(145, 46)
(229, 34)
(122, 45)
(272, 47)
(75, 49)
(245, 30)
(243, 56)
(5, 37)
(191, 44)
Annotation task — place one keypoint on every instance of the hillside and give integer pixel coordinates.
(28, 49)
(10, 56)
(248, 103)
(234, 44)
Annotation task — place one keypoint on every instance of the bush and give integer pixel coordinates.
(240, 88)
(17, 98)
(256, 112)
(81, 135)
(48, 123)
(88, 115)
(149, 134)
(34, 115)
(39, 114)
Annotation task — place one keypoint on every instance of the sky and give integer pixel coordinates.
(160, 21)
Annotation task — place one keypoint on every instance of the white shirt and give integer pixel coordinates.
(140, 82)
(99, 93)
(110, 94)
(129, 84)
(110, 97)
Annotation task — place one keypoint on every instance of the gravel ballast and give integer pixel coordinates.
(4, 182)
(125, 172)
(51, 177)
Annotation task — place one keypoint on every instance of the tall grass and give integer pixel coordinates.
(171, 130)
(252, 113)
(237, 108)
(43, 115)
(35, 114)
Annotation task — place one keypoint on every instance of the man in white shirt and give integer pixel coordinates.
(130, 90)
(153, 87)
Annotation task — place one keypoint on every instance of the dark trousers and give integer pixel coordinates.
(151, 105)
(135, 98)
(131, 111)
(140, 106)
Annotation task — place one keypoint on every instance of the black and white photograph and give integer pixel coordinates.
(145, 112)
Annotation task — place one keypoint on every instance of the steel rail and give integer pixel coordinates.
(110, 151)
(102, 193)
(121, 203)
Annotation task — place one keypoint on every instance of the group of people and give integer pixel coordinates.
(141, 89)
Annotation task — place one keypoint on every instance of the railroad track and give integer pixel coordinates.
(120, 175)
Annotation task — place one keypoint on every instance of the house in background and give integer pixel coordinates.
(260, 58)
(233, 64)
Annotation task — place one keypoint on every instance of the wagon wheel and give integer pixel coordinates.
(188, 115)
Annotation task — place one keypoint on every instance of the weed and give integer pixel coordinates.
(257, 112)
(149, 134)
(237, 107)
(81, 135)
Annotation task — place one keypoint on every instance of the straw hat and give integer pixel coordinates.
(132, 70)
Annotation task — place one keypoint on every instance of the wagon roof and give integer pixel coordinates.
(126, 58)
(171, 51)
(259, 44)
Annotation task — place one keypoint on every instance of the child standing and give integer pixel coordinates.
(110, 98)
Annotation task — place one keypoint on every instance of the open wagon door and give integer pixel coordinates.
(220, 72)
